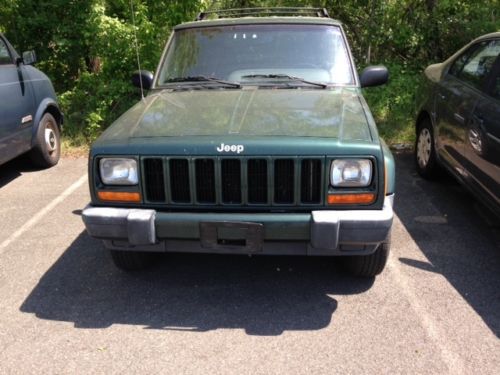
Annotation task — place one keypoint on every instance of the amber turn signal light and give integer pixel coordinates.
(364, 198)
(119, 196)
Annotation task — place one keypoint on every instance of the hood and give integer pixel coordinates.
(249, 112)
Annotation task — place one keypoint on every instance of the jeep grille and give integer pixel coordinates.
(230, 181)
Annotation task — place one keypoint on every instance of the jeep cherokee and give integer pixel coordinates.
(254, 138)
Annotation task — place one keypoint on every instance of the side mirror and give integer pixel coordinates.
(374, 76)
(146, 77)
(29, 57)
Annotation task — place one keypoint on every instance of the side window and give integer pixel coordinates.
(4, 54)
(479, 64)
(458, 65)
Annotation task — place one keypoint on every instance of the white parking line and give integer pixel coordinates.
(451, 359)
(40, 214)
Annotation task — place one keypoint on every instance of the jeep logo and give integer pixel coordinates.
(230, 148)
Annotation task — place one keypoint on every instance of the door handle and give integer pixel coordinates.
(459, 118)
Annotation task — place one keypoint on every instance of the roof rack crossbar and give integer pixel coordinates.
(264, 11)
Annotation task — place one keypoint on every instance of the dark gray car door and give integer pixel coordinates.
(457, 97)
(483, 138)
(16, 106)
(454, 103)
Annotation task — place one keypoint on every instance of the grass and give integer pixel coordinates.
(74, 148)
(394, 105)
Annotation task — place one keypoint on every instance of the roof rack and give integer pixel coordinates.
(263, 11)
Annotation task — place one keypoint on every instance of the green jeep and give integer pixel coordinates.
(254, 139)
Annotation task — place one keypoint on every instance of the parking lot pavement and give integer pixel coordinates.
(66, 309)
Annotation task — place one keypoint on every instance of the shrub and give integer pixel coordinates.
(394, 104)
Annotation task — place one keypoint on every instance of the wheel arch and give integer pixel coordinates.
(390, 169)
(423, 115)
(47, 105)
(427, 115)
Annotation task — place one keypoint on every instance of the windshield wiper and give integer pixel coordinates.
(286, 76)
(197, 79)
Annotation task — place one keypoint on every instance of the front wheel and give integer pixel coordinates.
(425, 151)
(369, 265)
(47, 149)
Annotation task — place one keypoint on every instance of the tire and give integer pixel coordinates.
(132, 260)
(47, 150)
(425, 151)
(369, 265)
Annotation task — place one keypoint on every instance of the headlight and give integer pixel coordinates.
(116, 171)
(351, 172)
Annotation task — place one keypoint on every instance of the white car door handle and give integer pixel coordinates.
(459, 118)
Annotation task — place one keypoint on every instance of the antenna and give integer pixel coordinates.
(137, 49)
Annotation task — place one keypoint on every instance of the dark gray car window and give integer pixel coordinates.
(458, 64)
(480, 63)
(4, 54)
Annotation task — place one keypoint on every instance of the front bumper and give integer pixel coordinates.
(328, 232)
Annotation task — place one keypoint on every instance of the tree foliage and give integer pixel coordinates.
(87, 47)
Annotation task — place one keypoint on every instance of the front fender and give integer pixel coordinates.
(390, 169)
(46, 105)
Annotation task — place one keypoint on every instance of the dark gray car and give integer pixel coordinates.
(30, 119)
(458, 124)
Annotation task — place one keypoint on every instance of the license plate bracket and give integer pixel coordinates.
(246, 237)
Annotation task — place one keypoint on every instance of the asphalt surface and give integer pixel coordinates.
(66, 309)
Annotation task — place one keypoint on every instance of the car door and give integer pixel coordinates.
(483, 137)
(457, 95)
(16, 105)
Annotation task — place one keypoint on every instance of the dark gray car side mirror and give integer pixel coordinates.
(146, 77)
(29, 57)
(374, 76)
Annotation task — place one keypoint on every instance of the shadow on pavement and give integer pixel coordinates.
(14, 168)
(191, 292)
(458, 236)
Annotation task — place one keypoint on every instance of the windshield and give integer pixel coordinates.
(256, 54)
